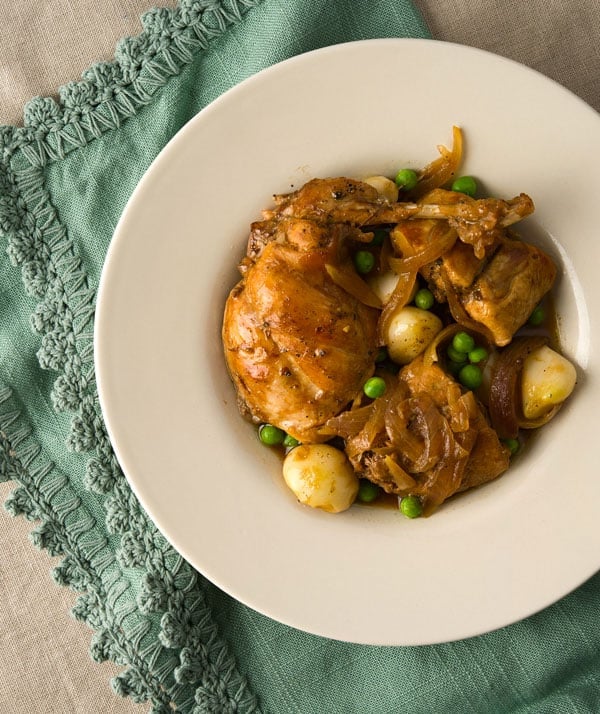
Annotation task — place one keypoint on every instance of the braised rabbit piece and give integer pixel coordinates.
(425, 437)
(298, 346)
(321, 326)
(491, 280)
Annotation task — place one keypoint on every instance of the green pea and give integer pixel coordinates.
(463, 342)
(379, 236)
(364, 261)
(382, 355)
(513, 445)
(537, 316)
(289, 442)
(455, 355)
(411, 506)
(374, 387)
(478, 354)
(470, 376)
(424, 299)
(466, 185)
(406, 179)
(367, 491)
(271, 435)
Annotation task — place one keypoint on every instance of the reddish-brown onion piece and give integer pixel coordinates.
(504, 400)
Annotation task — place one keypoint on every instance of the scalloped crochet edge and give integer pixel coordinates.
(44, 495)
(189, 667)
(110, 92)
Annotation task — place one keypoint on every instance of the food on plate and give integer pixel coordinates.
(394, 336)
(298, 345)
(547, 380)
(427, 436)
(321, 476)
(409, 331)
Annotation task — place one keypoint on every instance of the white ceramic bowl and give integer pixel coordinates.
(484, 560)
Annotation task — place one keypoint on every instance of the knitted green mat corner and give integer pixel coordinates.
(64, 180)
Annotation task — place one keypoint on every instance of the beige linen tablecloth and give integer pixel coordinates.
(44, 665)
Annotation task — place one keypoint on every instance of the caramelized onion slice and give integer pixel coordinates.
(441, 239)
(403, 480)
(348, 423)
(428, 422)
(398, 299)
(431, 351)
(349, 280)
(444, 479)
(504, 401)
(442, 169)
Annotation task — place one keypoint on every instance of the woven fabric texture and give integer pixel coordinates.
(556, 38)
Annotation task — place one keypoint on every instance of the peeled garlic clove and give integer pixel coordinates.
(410, 331)
(547, 379)
(321, 477)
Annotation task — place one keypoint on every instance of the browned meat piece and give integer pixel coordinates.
(504, 295)
(357, 203)
(460, 262)
(444, 390)
(488, 458)
(478, 222)
(498, 291)
(427, 437)
(299, 338)
(461, 266)
(330, 201)
(298, 347)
